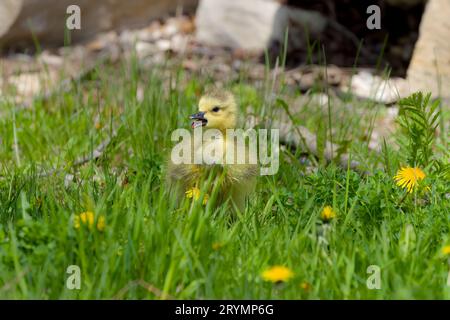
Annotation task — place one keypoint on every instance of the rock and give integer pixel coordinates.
(9, 9)
(368, 86)
(28, 84)
(47, 18)
(145, 49)
(429, 69)
(251, 24)
(237, 24)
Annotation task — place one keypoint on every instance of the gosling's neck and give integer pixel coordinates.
(230, 123)
(223, 130)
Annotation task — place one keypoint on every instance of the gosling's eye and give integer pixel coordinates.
(216, 109)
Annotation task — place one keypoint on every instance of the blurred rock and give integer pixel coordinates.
(9, 9)
(28, 84)
(429, 69)
(47, 18)
(368, 86)
(252, 24)
(25, 77)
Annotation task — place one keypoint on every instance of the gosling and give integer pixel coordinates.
(232, 183)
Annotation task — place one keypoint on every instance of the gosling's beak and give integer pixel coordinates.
(199, 120)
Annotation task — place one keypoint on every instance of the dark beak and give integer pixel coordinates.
(199, 120)
(197, 116)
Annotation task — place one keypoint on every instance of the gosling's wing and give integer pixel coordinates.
(182, 173)
(240, 172)
(242, 168)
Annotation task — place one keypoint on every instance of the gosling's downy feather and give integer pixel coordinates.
(235, 182)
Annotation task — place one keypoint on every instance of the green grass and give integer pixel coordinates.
(152, 249)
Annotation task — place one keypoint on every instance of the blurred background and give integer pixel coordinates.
(411, 47)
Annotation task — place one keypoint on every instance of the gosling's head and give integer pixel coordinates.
(217, 110)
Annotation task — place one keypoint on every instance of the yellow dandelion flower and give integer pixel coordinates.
(409, 178)
(205, 199)
(277, 274)
(446, 250)
(76, 222)
(101, 223)
(327, 213)
(84, 218)
(305, 286)
(217, 246)
(194, 193)
(87, 218)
